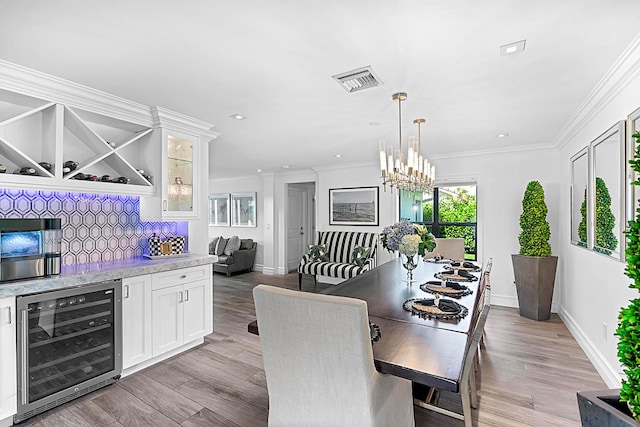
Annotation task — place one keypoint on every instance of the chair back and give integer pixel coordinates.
(342, 243)
(472, 349)
(318, 358)
(448, 248)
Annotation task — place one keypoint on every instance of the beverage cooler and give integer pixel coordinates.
(69, 344)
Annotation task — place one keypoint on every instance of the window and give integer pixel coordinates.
(450, 212)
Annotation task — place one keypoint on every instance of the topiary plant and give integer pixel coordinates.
(582, 227)
(606, 240)
(534, 238)
(628, 330)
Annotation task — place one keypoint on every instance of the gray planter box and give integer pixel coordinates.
(603, 409)
(535, 277)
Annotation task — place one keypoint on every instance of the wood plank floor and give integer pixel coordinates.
(531, 372)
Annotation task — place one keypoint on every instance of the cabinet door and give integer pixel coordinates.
(168, 308)
(136, 320)
(8, 386)
(198, 309)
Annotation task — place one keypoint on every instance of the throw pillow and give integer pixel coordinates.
(359, 255)
(318, 253)
(232, 245)
(212, 246)
(246, 243)
(222, 242)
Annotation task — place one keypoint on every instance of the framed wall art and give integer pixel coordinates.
(353, 206)
(219, 210)
(243, 210)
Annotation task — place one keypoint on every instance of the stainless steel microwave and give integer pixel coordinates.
(29, 247)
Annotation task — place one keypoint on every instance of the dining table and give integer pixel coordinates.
(422, 349)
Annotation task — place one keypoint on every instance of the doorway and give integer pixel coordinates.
(300, 221)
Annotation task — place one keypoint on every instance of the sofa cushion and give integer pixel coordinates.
(359, 255)
(246, 243)
(318, 253)
(232, 245)
(212, 246)
(222, 242)
(225, 259)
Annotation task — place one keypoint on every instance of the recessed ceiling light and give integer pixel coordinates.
(237, 116)
(502, 135)
(338, 155)
(285, 167)
(511, 48)
(259, 170)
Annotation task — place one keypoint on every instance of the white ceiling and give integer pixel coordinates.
(272, 61)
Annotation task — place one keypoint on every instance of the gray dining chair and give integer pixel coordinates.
(318, 362)
(468, 392)
(448, 248)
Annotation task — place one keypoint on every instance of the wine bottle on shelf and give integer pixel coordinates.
(66, 170)
(80, 176)
(90, 177)
(45, 165)
(3, 169)
(72, 165)
(147, 177)
(106, 178)
(25, 171)
(123, 180)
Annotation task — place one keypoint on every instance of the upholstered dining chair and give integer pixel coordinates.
(318, 362)
(448, 248)
(468, 393)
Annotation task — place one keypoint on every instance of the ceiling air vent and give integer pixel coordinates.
(360, 79)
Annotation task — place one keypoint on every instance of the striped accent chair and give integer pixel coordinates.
(340, 245)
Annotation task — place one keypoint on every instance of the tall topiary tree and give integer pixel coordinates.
(582, 227)
(534, 238)
(629, 318)
(606, 240)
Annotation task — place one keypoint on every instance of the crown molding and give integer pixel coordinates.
(624, 71)
(506, 150)
(183, 123)
(26, 81)
(344, 166)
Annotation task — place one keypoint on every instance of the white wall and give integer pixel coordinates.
(595, 287)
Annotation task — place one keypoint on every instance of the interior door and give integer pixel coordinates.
(295, 226)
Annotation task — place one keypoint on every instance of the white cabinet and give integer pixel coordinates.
(136, 320)
(8, 386)
(182, 303)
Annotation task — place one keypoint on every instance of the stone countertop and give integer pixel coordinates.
(83, 274)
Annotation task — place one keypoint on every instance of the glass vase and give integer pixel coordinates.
(409, 262)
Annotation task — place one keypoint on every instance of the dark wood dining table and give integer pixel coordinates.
(426, 351)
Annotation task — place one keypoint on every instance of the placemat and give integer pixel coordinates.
(426, 308)
(453, 289)
(438, 260)
(467, 266)
(460, 277)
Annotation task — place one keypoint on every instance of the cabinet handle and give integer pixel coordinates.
(186, 297)
(180, 296)
(9, 308)
(23, 361)
(164, 205)
(126, 291)
(183, 276)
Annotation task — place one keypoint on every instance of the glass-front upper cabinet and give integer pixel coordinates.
(180, 174)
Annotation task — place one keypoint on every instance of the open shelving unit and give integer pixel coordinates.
(33, 130)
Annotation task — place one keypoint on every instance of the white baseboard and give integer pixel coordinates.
(6, 422)
(512, 302)
(606, 371)
(270, 271)
(135, 368)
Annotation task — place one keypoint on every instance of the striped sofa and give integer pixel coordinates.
(340, 245)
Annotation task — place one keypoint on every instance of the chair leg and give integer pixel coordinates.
(299, 281)
(315, 280)
(466, 403)
(473, 391)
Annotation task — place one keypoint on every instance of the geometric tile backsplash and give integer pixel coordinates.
(95, 227)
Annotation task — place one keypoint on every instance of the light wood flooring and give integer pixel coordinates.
(531, 372)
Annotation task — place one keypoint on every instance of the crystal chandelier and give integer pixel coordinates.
(413, 172)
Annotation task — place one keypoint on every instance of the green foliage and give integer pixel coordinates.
(606, 240)
(534, 238)
(460, 207)
(582, 227)
(628, 329)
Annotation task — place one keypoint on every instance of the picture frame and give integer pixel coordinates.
(219, 213)
(354, 206)
(243, 210)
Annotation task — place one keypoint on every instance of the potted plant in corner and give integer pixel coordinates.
(534, 267)
(620, 408)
